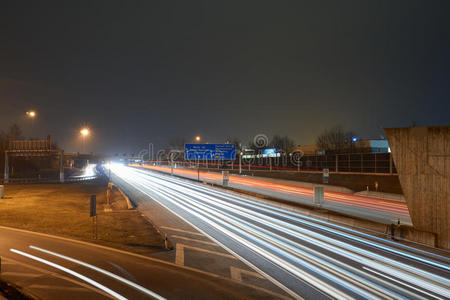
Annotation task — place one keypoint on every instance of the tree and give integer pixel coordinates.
(236, 141)
(335, 139)
(15, 132)
(281, 142)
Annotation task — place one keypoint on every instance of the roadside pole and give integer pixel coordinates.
(240, 162)
(225, 178)
(93, 215)
(198, 170)
(318, 195)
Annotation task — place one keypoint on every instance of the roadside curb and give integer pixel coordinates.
(168, 245)
(130, 204)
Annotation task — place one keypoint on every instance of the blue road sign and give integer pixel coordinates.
(209, 151)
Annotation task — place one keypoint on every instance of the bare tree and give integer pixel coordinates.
(281, 142)
(335, 139)
(15, 132)
(236, 141)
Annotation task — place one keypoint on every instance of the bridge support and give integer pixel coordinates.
(422, 159)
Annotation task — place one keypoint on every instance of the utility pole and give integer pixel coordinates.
(240, 162)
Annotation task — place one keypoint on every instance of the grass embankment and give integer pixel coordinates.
(63, 209)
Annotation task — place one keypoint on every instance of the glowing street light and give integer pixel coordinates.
(31, 114)
(84, 132)
(197, 138)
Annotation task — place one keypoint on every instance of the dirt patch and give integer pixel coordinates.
(63, 209)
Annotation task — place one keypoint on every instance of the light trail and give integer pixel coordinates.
(370, 203)
(329, 258)
(73, 273)
(305, 220)
(107, 273)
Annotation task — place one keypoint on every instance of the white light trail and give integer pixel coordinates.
(272, 232)
(73, 273)
(112, 275)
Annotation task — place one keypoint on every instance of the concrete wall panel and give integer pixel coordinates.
(422, 158)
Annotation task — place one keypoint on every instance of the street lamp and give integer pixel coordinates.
(84, 133)
(197, 138)
(31, 114)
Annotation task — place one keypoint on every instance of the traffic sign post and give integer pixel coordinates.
(93, 215)
(318, 195)
(326, 175)
(225, 177)
(209, 151)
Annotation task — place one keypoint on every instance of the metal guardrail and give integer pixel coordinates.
(364, 163)
(48, 180)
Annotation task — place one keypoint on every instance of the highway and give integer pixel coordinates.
(306, 257)
(378, 210)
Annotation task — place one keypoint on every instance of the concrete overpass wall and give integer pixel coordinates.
(422, 158)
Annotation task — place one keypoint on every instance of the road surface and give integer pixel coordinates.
(50, 267)
(306, 257)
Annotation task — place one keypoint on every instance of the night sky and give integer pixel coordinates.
(147, 71)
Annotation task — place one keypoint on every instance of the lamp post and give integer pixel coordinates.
(31, 114)
(197, 139)
(84, 133)
(240, 162)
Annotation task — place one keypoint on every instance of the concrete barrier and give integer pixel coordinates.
(130, 204)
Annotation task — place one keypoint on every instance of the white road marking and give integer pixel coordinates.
(181, 230)
(179, 255)
(236, 273)
(73, 273)
(193, 240)
(112, 275)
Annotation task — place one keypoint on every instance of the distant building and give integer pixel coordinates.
(359, 146)
(373, 146)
